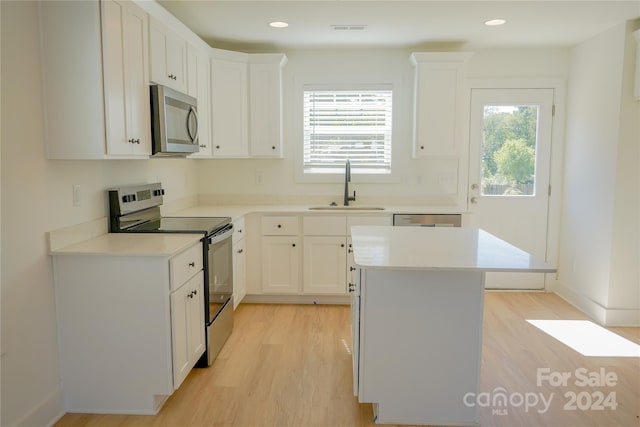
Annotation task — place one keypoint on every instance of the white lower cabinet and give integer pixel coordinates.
(239, 261)
(187, 327)
(281, 254)
(130, 328)
(281, 264)
(324, 265)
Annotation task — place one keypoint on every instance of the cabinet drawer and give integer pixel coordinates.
(185, 265)
(324, 225)
(280, 225)
(367, 220)
(238, 231)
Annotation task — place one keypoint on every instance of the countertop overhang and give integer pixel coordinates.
(445, 248)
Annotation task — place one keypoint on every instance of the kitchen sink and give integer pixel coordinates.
(346, 208)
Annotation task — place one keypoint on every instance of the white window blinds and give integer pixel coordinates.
(347, 124)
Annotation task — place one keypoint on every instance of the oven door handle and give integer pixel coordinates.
(217, 238)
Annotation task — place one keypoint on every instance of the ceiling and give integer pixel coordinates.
(243, 25)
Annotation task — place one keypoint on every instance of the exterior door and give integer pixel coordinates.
(509, 168)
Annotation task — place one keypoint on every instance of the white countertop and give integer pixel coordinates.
(134, 244)
(419, 248)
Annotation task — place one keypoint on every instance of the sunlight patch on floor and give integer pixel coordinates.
(587, 338)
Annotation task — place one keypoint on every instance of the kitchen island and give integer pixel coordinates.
(417, 310)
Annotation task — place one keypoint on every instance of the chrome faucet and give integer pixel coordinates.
(347, 179)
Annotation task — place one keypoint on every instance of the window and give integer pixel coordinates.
(510, 136)
(341, 125)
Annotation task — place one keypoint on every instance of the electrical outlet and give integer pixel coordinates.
(76, 195)
(258, 178)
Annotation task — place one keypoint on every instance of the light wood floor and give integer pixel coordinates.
(290, 365)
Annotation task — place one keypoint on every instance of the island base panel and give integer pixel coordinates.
(420, 345)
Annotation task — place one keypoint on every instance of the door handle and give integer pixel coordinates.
(474, 200)
(474, 186)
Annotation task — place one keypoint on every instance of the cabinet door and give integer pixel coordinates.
(229, 119)
(187, 327)
(201, 89)
(239, 273)
(280, 264)
(126, 83)
(168, 57)
(179, 334)
(265, 106)
(438, 116)
(325, 265)
(196, 332)
(137, 80)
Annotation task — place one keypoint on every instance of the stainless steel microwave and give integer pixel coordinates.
(174, 122)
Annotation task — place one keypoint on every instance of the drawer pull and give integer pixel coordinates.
(192, 264)
(279, 226)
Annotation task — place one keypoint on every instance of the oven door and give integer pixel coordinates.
(220, 272)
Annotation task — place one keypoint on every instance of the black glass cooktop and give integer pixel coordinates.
(205, 225)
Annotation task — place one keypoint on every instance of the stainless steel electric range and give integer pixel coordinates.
(136, 209)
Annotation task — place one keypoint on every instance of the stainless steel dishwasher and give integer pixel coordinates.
(427, 220)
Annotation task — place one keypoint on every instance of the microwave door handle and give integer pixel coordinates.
(195, 115)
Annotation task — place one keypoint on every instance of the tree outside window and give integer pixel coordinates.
(509, 149)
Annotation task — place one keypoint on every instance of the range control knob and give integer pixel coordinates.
(159, 192)
(127, 198)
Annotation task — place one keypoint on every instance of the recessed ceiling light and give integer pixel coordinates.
(495, 22)
(279, 24)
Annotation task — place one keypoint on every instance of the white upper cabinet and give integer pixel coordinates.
(125, 50)
(198, 86)
(265, 104)
(95, 84)
(439, 99)
(168, 57)
(229, 115)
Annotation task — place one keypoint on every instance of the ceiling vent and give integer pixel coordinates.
(348, 27)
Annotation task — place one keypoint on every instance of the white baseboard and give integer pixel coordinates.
(297, 299)
(46, 413)
(603, 315)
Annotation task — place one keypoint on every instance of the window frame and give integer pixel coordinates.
(302, 85)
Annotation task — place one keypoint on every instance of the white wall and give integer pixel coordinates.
(624, 284)
(418, 181)
(600, 205)
(37, 198)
